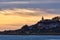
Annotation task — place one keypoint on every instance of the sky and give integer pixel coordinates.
(16, 13)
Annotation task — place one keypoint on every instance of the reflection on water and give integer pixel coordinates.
(29, 37)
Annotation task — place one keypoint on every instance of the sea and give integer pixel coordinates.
(29, 37)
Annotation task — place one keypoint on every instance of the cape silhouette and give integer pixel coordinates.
(43, 27)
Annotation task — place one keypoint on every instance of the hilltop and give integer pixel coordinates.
(44, 26)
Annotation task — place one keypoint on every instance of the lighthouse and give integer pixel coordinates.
(42, 18)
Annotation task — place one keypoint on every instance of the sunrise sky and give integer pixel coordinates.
(16, 13)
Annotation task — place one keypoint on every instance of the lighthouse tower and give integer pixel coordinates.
(42, 18)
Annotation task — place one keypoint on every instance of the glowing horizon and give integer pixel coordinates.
(11, 19)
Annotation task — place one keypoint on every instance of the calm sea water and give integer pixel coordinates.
(29, 37)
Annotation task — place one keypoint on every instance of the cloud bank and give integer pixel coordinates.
(28, 1)
(29, 11)
(51, 4)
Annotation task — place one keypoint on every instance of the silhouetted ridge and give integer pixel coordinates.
(44, 26)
